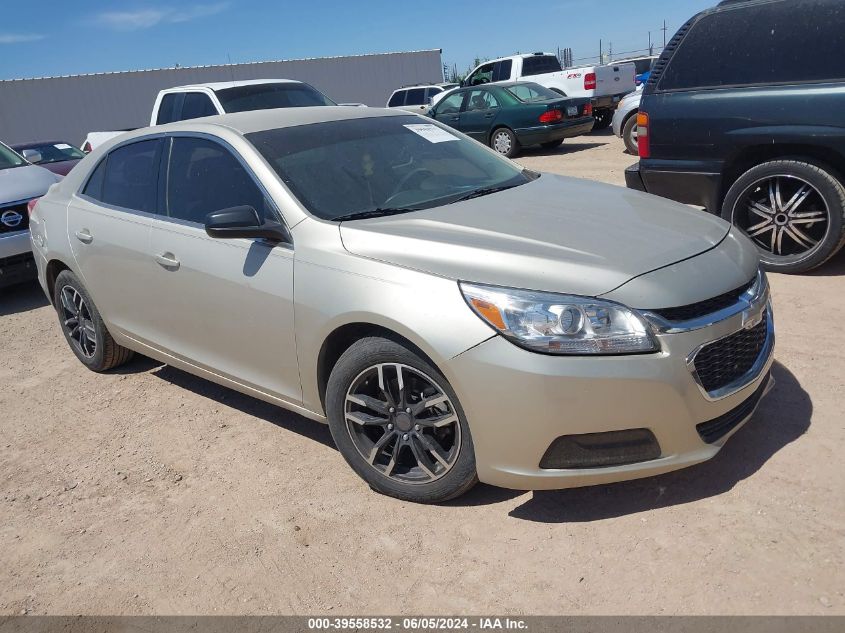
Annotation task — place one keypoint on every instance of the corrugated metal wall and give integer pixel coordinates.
(67, 108)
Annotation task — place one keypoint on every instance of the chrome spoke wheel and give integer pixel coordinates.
(784, 215)
(502, 142)
(77, 321)
(402, 423)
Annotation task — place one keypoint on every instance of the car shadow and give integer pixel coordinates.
(245, 404)
(834, 267)
(608, 131)
(22, 298)
(562, 150)
(782, 417)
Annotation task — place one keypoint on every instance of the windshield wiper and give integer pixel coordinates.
(374, 213)
(484, 191)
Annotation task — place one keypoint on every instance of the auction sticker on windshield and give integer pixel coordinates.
(431, 133)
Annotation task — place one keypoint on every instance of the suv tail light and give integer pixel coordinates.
(643, 147)
(590, 81)
(551, 116)
(30, 206)
(588, 109)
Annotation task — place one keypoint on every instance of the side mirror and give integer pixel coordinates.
(32, 155)
(244, 222)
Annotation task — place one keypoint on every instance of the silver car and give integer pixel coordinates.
(452, 316)
(625, 120)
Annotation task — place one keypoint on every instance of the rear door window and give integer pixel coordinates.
(502, 71)
(197, 104)
(168, 109)
(770, 43)
(131, 176)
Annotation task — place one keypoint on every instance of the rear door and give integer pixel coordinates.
(225, 305)
(109, 226)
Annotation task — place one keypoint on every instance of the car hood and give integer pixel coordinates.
(23, 183)
(556, 234)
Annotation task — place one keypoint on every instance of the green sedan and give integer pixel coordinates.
(511, 115)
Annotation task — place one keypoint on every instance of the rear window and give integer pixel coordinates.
(167, 109)
(539, 64)
(268, 96)
(529, 92)
(397, 99)
(787, 41)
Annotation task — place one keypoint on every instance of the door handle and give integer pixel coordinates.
(84, 236)
(168, 260)
(489, 115)
(455, 119)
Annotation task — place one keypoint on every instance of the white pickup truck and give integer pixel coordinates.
(198, 100)
(603, 85)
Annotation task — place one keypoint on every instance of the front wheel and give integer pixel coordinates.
(793, 212)
(398, 423)
(504, 141)
(629, 135)
(83, 326)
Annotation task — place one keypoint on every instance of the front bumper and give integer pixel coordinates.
(559, 131)
(518, 403)
(16, 262)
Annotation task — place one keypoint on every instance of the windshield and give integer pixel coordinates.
(529, 92)
(9, 158)
(269, 96)
(56, 152)
(340, 168)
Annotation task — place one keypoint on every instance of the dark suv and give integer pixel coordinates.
(744, 114)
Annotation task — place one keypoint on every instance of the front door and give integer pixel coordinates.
(225, 305)
(448, 111)
(479, 113)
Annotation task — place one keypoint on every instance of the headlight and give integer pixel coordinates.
(560, 324)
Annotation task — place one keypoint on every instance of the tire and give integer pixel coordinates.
(89, 340)
(792, 210)
(504, 141)
(629, 135)
(552, 144)
(603, 119)
(366, 420)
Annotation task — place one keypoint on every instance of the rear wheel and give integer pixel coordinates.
(504, 141)
(793, 212)
(629, 135)
(552, 144)
(83, 326)
(399, 424)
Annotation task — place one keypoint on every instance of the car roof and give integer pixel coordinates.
(260, 120)
(221, 85)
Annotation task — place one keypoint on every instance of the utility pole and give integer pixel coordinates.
(601, 55)
(650, 45)
(664, 33)
(610, 51)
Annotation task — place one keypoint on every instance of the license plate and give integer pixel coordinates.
(571, 111)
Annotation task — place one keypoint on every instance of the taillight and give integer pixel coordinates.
(590, 81)
(87, 147)
(551, 116)
(588, 109)
(30, 206)
(643, 148)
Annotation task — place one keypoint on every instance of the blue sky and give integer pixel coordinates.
(56, 37)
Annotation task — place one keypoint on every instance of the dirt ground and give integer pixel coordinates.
(150, 491)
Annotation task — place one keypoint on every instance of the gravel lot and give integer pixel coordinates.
(150, 491)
